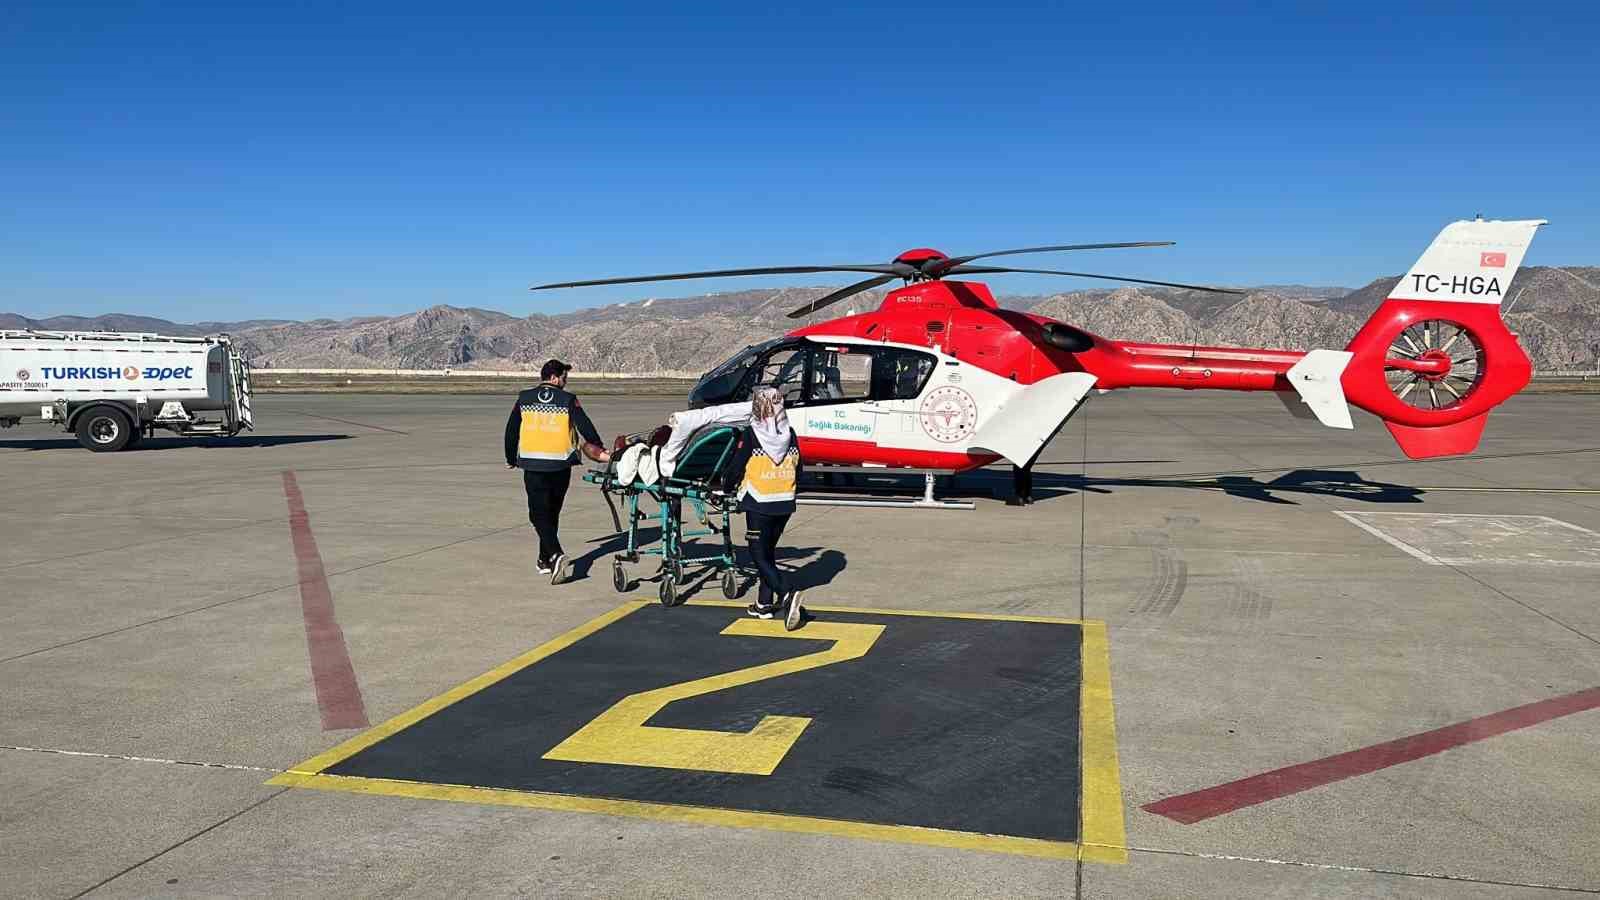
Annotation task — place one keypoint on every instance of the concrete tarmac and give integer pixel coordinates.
(160, 661)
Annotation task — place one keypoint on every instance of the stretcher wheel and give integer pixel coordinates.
(730, 584)
(619, 578)
(669, 592)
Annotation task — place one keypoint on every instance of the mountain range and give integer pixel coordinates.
(1554, 310)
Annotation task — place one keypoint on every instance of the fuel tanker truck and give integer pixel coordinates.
(112, 389)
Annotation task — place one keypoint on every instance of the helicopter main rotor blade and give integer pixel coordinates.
(944, 266)
(992, 270)
(840, 294)
(893, 270)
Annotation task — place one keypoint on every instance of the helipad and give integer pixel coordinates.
(965, 731)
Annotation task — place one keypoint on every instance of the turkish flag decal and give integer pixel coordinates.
(1491, 260)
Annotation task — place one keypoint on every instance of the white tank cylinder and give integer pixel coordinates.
(37, 369)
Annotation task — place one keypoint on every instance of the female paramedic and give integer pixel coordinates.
(768, 466)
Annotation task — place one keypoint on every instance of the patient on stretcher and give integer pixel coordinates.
(658, 450)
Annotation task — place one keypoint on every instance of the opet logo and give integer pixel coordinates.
(126, 373)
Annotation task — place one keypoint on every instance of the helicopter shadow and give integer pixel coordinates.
(996, 484)
(1343, 484)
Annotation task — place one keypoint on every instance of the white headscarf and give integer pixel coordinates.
(770, 423)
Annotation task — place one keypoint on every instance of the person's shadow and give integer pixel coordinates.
(820, 569)
(804, 569)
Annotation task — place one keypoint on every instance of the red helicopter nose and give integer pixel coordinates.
(919, 255)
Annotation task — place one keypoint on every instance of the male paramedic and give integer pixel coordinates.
(546, 430)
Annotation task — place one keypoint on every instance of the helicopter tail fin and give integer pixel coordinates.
(1436, 357)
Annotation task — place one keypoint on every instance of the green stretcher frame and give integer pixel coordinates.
(697, 480)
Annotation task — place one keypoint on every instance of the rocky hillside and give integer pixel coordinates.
(1556, 311)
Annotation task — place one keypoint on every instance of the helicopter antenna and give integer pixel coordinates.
(1507, 311)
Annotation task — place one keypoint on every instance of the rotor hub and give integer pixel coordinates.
(921, 259)
(920, 255)
(1438, 362)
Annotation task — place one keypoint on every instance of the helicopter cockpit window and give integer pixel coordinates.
(899, 374)
(840, 374)
(786, 371)
(731, 381)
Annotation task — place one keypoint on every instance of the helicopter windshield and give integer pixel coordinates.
(728, 382)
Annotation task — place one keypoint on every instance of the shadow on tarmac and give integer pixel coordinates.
(178, 443)
(996, 484)
(807, 567)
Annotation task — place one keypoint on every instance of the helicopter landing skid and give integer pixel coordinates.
(926, 501)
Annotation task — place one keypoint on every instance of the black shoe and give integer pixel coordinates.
(757, 611)
(1027, 501)
(558, 568)
(1014, 501)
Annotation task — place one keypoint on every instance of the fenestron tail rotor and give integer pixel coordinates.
(1434, 364)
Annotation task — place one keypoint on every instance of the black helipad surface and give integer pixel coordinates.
(963, 724)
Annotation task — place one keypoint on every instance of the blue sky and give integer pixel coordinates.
(218, 161)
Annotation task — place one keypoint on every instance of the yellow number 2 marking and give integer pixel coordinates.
(620, 736)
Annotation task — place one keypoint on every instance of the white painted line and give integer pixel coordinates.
(1569, 525)
(1477, 561)
(148, 759)
(1507, 490)
(1453, 515)
(1396, 542)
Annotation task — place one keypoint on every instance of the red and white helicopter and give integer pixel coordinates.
(940, 378)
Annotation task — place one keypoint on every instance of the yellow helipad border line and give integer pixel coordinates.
(1102, 833)
(1101, 828)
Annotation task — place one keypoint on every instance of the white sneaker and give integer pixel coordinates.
(558, 569)
(795, 615)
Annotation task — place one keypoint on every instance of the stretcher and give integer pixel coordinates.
(696, 481)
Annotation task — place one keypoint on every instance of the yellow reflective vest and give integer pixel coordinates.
(767, 485)
(545, 429)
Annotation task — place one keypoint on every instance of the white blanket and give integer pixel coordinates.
(685, 424)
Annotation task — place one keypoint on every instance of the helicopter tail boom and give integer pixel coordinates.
(1432, 360)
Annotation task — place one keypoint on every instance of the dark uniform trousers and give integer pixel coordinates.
(546, 492)
(542, 438)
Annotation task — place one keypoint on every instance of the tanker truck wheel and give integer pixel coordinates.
(104, 429)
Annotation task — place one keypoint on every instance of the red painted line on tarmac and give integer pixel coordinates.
(1235, 795)
(338, 693)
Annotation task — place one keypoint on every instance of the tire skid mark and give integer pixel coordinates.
(1169, 571)
(1247, 600)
